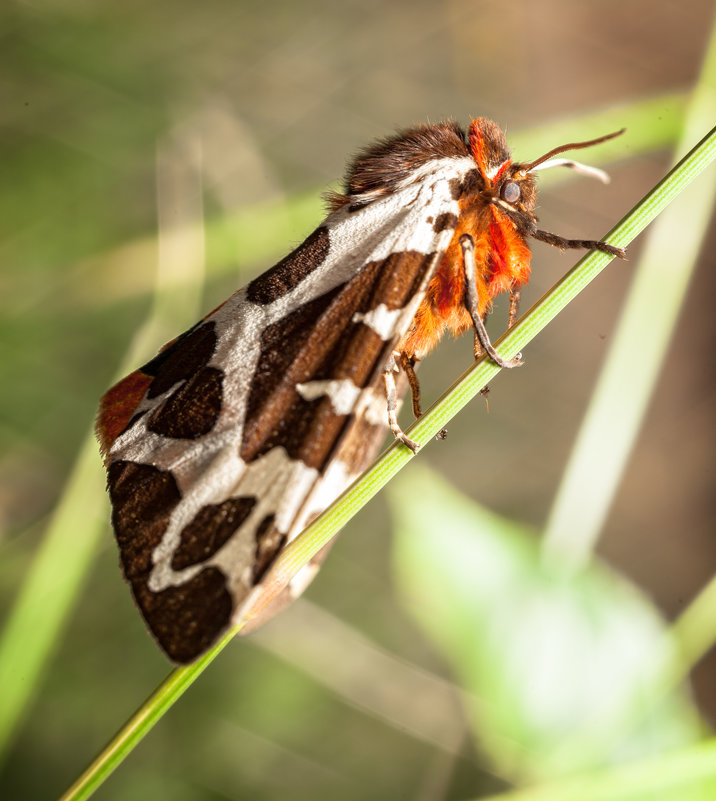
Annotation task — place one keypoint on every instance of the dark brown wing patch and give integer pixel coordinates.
(400, 276)
(143, 498)
(211, 527)
(180, 360)
(188, 618)
(269, 541)
(291, 270)
(281, 343)
(295, 430)
(192, 411)
(357, 447)
(185, 619)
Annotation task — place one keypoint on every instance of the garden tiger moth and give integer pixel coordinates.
(223, 447)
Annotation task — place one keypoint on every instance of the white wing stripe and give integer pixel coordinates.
(381, 319)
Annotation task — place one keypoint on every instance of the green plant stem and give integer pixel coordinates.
(324, 528)
(150, 712)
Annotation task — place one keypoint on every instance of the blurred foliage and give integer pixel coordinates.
(562, 672)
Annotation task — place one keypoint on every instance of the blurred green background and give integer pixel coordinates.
(199, 137)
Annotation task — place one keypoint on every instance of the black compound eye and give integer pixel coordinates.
(511, 192)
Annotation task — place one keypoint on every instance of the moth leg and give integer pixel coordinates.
(391, 396)
(512, 315)
(477, 348)
(479, 352)
(408, 365)
(472, 304)
(514, 309)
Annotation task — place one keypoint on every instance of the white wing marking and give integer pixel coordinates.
(381, 319)
(346, 397)
(343, 393)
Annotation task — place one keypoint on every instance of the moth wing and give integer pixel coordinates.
(224, 446)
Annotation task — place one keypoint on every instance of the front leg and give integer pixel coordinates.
(472, 304)
(512, 315)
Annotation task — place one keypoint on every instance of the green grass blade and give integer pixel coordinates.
(686, 775)
(695, 629)
(41, 608)
(614, 416)
(321, 531)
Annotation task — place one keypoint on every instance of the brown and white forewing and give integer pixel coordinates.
(246, 427)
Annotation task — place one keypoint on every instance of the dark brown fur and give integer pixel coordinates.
(380, 166)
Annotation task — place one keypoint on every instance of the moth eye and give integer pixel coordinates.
(511, 192)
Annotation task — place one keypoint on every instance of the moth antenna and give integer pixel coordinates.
(569, 146)
(577, 166)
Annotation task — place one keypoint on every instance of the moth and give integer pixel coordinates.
(221, 449)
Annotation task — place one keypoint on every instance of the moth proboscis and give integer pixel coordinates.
(223, 447)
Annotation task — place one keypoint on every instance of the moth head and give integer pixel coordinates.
(511, 185)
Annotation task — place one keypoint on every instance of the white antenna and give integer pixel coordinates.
(577, 166)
